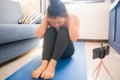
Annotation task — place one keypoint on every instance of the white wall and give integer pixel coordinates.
(94, 19)
(29, 6)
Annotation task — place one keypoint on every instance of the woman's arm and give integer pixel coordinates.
(73, 27)
(42, 28)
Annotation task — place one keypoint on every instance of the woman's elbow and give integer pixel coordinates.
(38, 35)
(75, 38)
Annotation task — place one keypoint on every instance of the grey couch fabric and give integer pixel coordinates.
(11, 50)
(15, 39)
(10, 11)
(15, 32)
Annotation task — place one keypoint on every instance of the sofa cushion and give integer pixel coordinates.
(12, 50)
(10, 11)
(15, 32)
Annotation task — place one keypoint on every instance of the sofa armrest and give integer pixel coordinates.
(15, 32)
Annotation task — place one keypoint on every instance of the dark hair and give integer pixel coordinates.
(56, 8)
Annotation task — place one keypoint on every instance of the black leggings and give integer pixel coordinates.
(57, 45)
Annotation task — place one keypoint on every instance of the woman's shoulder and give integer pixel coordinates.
(75, 17)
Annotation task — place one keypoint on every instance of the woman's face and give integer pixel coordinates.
(57, 22)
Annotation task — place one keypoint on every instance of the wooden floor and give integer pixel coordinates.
(112, 62)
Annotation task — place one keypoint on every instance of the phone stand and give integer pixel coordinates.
(101, 63)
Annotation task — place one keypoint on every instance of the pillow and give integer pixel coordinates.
(37, 19)
(32, 18)
(24, 17)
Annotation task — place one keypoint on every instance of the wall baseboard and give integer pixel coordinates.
(92, 40)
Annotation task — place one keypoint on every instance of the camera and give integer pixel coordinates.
(100, 52)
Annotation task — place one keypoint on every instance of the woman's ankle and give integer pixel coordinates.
(52, 63)
(44, 62)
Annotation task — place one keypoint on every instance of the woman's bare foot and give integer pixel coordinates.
(50, 71)
(37, 73)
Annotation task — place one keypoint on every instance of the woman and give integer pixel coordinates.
(59, 29)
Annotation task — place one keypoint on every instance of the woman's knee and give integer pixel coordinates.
(51, 30)
(64, 29)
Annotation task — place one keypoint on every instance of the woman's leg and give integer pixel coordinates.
(49, 43)
(48, 46)
(63, 45)
(69, 51)
(61, 50)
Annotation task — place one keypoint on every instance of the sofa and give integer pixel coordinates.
(15, 39)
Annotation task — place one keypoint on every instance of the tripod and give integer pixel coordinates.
(99, 67)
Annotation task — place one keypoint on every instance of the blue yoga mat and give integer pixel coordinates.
(73, 68)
